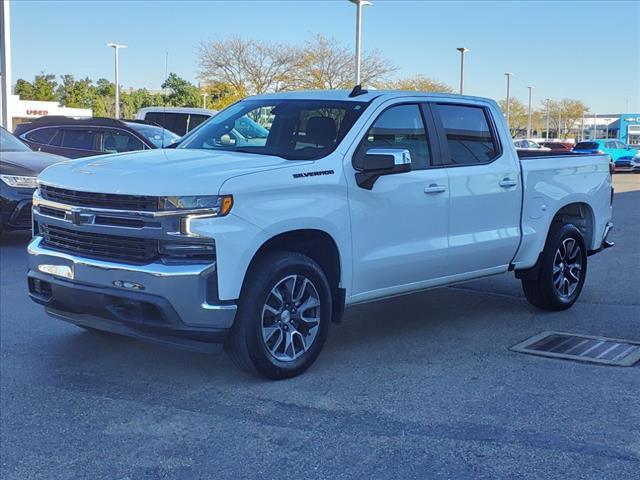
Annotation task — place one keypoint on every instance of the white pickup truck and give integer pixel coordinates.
(327, 199)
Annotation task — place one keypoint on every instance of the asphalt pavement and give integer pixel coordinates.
(421, 386)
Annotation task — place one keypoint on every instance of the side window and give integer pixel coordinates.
(195, 120)
(43, 136)
(610, 145)
(176, 122)
(398, 127)
(115, 141)
(469, 136)
(80, 139)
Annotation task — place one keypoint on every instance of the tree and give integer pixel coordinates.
(44, 87)
(24, 89)
(418, 83)
(220, 95)
(564, 115)
(325, 64)
(518, 115)
(181, 92)
(78, 94)
(249, 66)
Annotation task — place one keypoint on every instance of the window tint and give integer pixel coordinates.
(398, 127)
(42, 135)
(586, 146)
(80, 139)
(195, 120)
(115, 141)
(468, 134)
(610, 145)
(176, 122)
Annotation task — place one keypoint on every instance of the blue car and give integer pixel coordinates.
(625, 158)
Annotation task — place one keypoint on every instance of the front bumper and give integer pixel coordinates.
(163, 303)
(15, 208)
(627, 165)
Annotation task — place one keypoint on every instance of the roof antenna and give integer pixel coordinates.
(358, 90)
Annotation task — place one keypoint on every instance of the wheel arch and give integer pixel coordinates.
(317, 245)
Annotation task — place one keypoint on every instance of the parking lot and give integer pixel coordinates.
(421, 386)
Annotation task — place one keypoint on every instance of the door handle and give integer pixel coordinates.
(433, 188)
(508, 182)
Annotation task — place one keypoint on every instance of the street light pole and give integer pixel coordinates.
(462, 51)
(529, 115)
(548, 116)
(359, 4)
(204, 100)
(116, 47)
(508, 75)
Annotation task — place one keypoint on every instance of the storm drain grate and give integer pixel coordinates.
(584, 348)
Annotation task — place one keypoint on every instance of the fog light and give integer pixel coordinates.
(181, 250)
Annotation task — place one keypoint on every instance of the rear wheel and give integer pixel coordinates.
(562, 270)
(283, 316)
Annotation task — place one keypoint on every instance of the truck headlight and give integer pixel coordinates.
(215, 205)
(20, 181)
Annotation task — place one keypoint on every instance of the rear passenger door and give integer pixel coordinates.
(79, 142)
(485, 186)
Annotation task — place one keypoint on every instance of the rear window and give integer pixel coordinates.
(176, 122)
(586, 146)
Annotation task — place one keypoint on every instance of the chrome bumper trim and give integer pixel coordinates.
(183, 286)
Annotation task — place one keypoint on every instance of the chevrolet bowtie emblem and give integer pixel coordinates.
(73, 217)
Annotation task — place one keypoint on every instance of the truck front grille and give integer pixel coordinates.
(100, 246)
(100, 200)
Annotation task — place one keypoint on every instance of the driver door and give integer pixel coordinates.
(400, 226)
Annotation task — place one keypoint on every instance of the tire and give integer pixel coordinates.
(267, 338)
(559, 289)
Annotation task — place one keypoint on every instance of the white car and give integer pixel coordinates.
(349, 198)
(530, 145)
(179, 120)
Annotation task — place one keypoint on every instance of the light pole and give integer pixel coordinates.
(508, 75)
(559, 124)
(116, 47)
(529, 115)
(462, 51)
(359, 4)
(5, 65)
(548, 116)
(204, 99)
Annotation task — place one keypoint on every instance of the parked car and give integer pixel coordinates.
(347, 200)
(75, 138)
(19, 168)
(625, 157)
(525, 144)
(177, 119)
(558, 146)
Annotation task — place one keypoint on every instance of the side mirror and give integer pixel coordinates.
(382, 161)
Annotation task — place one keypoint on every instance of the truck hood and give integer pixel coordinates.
(26, 163)
(159, 172)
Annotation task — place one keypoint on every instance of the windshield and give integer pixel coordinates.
(160, 137)
(291, 129)
(9, 143)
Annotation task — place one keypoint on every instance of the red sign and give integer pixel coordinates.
(38, 113)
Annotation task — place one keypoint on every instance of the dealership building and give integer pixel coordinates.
(622, 126)
(21, 111)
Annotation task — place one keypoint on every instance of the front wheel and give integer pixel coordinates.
(562, 270)
(283, 316)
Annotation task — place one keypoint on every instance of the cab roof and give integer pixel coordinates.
(362, 97)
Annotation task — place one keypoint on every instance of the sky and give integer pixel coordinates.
(587, 50)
